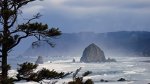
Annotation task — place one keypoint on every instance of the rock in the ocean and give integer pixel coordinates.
(122, 79)
(39, 60)
(102, 80)
(111, 60)
(73, 60)
(93, 53)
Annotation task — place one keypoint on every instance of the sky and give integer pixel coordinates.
(92, 15)
(73, 16)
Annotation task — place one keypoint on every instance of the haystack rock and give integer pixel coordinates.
(93, 53)
(39, 60)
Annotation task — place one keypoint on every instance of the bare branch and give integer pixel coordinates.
(37, 16)
(13, 21)
(37, 37)
(18, 41)
(21, 3)
(15, 31)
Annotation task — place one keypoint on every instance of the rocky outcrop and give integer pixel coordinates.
(111, 60)
(93, 53)
(39, 60)
(73, 60)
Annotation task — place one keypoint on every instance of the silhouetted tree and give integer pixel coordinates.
(11, 35)
(26, 72)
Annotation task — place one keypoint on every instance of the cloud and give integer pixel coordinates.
(32, 9)
(82, 8)
(93, 15)
(86, 7)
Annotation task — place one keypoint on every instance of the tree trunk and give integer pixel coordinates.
(4, 62)
(5, 41)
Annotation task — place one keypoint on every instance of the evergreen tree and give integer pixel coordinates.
(11, 35)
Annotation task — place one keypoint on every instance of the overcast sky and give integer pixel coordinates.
(90, 15)
(93, 15)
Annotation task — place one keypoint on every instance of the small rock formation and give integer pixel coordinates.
(73, 60)
(102, 80)
(122, 79)
(111, 60)
(39, 60)
(93, 53)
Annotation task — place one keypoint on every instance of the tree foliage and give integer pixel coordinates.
(79, 80)
(47, 74)
(26, 72)
(11, 33)
(7, 81)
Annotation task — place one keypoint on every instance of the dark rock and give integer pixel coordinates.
(102, 80)
(39, 60)
(122, 79)
(93, 53)
(73, 60)
(111, 60)
(106, 80)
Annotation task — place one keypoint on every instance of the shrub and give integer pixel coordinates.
(89, 81)
(47, 74)
(79, 80)
(7, 81)
(32, 77)
(25, 70)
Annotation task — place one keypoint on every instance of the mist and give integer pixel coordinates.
(123, 43)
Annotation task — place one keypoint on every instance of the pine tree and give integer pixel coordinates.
(11, 35)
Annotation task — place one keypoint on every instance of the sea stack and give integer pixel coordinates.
(39, 60)
(93, 53)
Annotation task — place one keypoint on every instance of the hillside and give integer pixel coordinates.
(122, 43)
